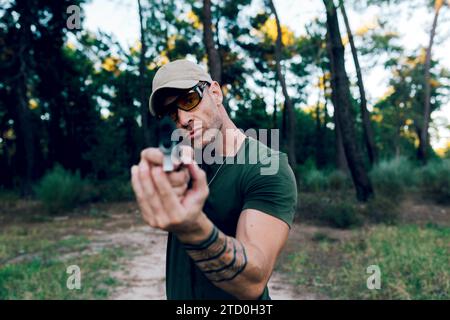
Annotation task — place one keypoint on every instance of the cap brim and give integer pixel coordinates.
(176, 84)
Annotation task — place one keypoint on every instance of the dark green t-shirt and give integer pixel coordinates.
(256, 184)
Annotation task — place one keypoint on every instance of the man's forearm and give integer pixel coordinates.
(225, 261)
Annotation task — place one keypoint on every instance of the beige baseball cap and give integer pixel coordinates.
(178, 74)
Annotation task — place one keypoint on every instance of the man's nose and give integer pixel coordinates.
(184, 117)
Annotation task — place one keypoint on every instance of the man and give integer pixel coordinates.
(227, 230)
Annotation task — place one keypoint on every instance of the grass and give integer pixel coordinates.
(34, 258)
(51, 236)
(413, 261)
(46, 278)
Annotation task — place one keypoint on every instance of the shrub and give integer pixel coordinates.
(383, 210)
(59, 190)
(435, 180)
(314, 181)
(342, 215)
(392, 177)
(118, 189)
(337, 180)
(336, 211)
(8, 198)
(312, 205)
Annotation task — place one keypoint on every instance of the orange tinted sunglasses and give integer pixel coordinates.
(187, 101)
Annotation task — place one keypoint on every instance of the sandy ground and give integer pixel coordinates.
(143, 276)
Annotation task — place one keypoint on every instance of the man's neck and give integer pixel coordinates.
(232, 139)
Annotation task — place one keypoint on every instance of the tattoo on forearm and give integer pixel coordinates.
(221, 258)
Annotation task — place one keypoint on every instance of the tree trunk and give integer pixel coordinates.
(367, 126)
(340, 159)
(220, 53)
(51, 87)
(319, 151)
(343, 105)
(289, 108)
(274, 116)
(148, 138)
(423, 137)
(25, 136)
(214, 63)
(23, 113)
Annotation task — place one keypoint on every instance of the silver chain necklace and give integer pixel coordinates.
(216, 173)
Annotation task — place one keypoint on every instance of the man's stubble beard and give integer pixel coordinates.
(217, 130)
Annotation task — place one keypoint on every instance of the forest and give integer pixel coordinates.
(373, 172)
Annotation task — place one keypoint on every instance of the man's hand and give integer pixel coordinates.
(163, 198)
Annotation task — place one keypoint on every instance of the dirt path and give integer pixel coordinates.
(143, 276)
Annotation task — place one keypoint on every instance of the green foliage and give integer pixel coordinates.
(342, 215)
(393, 177)
(118, 189)
(333, 209)
(86, 114)
(253, 117)
(61, 190)
(314, 181)
(337, 180)
(435, 180)
(399, 113)
(8, 198)
(108, 160)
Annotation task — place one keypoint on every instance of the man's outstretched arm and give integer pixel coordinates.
(243, 265)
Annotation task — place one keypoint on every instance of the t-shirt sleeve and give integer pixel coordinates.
(274, 194)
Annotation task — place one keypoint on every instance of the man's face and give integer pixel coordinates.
(197, 122)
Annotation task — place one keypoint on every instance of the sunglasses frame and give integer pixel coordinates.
(198, 88)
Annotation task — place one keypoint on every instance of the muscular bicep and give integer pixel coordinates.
(264, 237)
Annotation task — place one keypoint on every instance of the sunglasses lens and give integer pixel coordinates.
(172, 111)
(188, 101)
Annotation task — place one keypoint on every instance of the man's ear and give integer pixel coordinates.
(216, 93)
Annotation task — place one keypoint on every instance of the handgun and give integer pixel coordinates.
(166, 145)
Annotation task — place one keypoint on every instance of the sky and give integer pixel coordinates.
(120, 18)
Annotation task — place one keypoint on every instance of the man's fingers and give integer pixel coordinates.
(135, 183)
(153, 155)
(148, 188)
(146, 211)
(168, 197)
(181, 190)
(198, 177)
(179, 178)
(199, 191)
